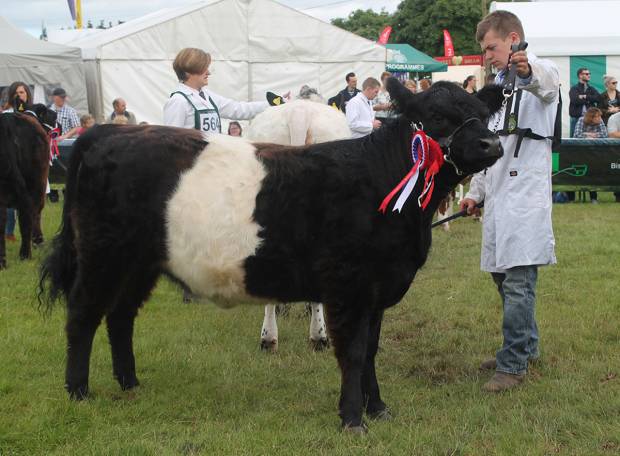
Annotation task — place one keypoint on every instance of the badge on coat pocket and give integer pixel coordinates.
(513, 172)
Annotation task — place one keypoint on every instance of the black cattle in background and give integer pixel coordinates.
(24, 166)
(297, 224)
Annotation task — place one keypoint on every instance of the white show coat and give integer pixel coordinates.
(517, 227)
(360, 115)
(179, 113)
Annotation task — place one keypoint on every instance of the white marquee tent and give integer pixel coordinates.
(573, 34)
(256, 46)
(42, 65)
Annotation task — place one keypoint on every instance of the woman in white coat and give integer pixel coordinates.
(192, 105)
(517, 233)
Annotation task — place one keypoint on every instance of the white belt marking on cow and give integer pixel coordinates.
(210, 229)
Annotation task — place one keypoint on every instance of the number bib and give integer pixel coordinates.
(205, 119)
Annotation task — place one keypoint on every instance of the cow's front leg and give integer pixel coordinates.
(375, 407)
(269, 331)
(348, 329)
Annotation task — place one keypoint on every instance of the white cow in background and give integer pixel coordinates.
(306, 120)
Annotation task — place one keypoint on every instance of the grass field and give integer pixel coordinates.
(207, 389)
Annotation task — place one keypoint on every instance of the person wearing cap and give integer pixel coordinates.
(66, 116)
(192, 105)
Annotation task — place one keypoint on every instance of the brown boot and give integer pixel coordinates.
(502, 382)
(489, 364)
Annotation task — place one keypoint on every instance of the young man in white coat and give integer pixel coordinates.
(517, 233)
(360, 115)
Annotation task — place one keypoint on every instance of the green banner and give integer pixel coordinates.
(587, 164)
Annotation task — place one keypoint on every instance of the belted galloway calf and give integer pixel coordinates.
(236, 221)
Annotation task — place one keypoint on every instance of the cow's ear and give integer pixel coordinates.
(493, 96)
(400, 96)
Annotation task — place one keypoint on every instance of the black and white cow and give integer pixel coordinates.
(24, 166)
(236, 221)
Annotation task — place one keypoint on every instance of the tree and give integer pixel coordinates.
(365, 23)
(421, 22)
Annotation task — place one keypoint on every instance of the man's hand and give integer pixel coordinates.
(376, 123)
(519, 59)
(470, 205)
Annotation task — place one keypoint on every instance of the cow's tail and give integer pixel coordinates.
(59, 268)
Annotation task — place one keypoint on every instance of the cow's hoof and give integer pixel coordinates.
(129, 383)
(380, 415)
(25, 256)
(319, 344)
(270, 346)
(361, 429)
(77, 392)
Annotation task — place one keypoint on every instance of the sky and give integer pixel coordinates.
(28, 14)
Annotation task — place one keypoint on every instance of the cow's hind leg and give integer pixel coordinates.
(120, 323)
(348, 327)
(375, 407)
(318, 331)
(2, 239)
(84, 316)
(25, 228)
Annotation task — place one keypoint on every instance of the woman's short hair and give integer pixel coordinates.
(501, 22)
(85, 118)
(607, 80)
(591, 113)
(385, 74)
(190, 61)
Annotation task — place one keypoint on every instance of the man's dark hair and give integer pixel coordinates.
(581, 70)
(349, 75)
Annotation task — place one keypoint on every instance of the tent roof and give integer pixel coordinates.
(18, 48)
(568, 28)
(404, 57)
(233, 30)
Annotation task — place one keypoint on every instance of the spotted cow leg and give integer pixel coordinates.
(318, 331)
(269, 331)
(348, 328)
(375, 407)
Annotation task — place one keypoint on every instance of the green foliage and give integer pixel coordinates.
(206, 389)
(365, 23)
(421, 23)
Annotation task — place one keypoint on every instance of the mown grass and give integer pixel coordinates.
(207, 389)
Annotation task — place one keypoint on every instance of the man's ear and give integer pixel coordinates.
(493, 96)
(400, 96)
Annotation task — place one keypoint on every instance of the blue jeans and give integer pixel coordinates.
(10, 221)
(573, 123)
(517, 288)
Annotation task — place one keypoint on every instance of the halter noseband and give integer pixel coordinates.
(445, 144)
(47, 127)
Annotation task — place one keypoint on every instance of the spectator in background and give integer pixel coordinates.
(360, 116)
(120, 120)
(345, 95)
(86, 121)
(18, 94)
(610, 99)
(67, 117)
(234, 128)
(469, 84)
(591, 126)
(582, 96)
(120, 109)
(425, 84)
(382, 104)
(411, 85)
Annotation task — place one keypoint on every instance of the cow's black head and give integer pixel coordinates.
(45, 116)
(455, 119)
